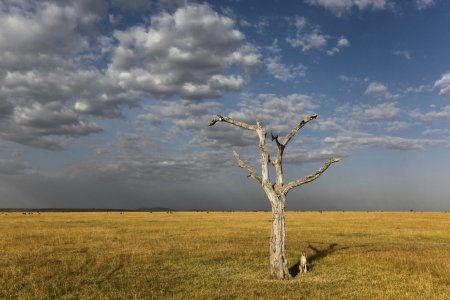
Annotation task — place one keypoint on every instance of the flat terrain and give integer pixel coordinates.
(188, 255)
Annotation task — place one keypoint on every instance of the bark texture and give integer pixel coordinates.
(278, 259)
(276, 192)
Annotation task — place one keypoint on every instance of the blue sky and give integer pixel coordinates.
(106, 103)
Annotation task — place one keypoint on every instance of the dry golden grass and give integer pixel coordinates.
(188, 255)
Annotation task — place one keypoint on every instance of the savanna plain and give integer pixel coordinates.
(223, 255)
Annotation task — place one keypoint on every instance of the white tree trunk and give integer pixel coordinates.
(278, 259)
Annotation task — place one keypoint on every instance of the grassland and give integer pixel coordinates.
(188, 255)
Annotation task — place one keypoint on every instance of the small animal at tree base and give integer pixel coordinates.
(303, 268)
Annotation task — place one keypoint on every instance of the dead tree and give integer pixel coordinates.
(276, 192)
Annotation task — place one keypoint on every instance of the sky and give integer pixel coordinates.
(105, 104)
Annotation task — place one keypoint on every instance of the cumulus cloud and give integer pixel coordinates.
(347, 142)
(443, 84)
(183, 54)
(444, 113)
(433, 131)
(349, 79)
(58, 69)
(381, 111)
(41, 46)
(310, 37)
(417, 89)
(269, 109)
(397, 125)
(365, 118)
(341, 43)
(52, 119)
(341, 7)
(303, 155)
(308, 41)
(183, 114)
(284, 72)
(402, 53)
(274, 48)
(35, 28)
(377, 89)
(307, 36)
(276, 113)
(423, 4)
(273, 110)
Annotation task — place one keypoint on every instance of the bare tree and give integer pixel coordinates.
(276, 192)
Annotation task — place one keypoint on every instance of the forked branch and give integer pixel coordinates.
(265, 157)
(251, 172)
(309, 178)
(294, 130)
(244, 125)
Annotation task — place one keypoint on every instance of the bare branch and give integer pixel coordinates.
(277, 163)
(215, 120)
(244, 125)
(294, 130)
(265, 156)
(309, 178)
(275, 138)
(251, 172)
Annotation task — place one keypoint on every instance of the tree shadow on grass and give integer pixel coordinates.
(294, 269)
(318, 255)
(321, 253)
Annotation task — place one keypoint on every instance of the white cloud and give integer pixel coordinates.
(273, 110)
(381, 111)
(423, 4)
(46, 27)
(341, 7)
(180, 54)
(397, 125)
(356, 140)
(433, 131)
(284, 72)
(444, 113)
(312, 40)
(261, 25)
(52, 118)
(443, 84)
(274, 48)
(349, 79)
(377, 89)
(341, 43)
(300, 22)
(246, 57)
(307, 36)
(180, 113)
(299, 156)
(329, 124)
(41, 47)
(417, 89)
(310, 37)
(276, 113)
(51, 52)
(402, 53)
